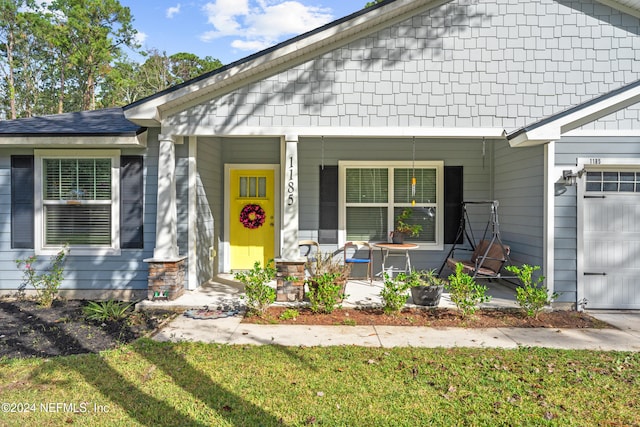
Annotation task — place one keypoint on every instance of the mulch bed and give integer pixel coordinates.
(27, 330)
(437, 317)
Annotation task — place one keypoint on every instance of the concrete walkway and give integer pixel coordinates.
(624, 336)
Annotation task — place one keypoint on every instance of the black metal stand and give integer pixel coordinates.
(493, 227)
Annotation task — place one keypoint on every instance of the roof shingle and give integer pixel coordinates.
(106, 122)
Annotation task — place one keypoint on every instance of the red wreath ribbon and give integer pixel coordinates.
(252, 216)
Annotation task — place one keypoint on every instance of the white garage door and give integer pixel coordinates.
(611, 261)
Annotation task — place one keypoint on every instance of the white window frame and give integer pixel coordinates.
(438, 165)
(39, 229)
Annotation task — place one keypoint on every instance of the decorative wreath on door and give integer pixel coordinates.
(252, 216)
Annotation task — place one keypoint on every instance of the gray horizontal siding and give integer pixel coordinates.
(519, 187)
(182, 200)
(124, 272)
(210, 205)
(251, 150)
(466, 153)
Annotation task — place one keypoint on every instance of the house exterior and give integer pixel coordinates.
(321, 136)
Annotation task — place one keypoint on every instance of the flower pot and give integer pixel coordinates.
(397, 237)
(428, 296)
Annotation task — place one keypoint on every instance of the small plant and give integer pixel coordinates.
(465, 293)
(430, 278)
(104, 311)
(394, 292)
(258, 293)
(531, 296)
(289, 314)
(46, 284)
(326, 263)
(325, 292)
(402, 226)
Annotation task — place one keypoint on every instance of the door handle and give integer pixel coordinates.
(595, 274)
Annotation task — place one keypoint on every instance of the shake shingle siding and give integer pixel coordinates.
(488, 64)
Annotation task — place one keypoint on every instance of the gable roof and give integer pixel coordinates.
(106, 122)
(553, 127)
(149, 111)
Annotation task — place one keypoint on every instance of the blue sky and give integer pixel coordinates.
(229, 29)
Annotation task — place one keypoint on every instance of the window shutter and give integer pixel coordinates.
(328, 224)
(453, 193)
(131, 202)
(22, 210)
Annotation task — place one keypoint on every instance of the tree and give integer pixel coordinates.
(128, 81)
(67, 56)
(95, 31)
(185, 66)
(15, 48)
(373, 3)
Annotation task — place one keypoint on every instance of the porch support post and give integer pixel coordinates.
(548, 243)
(290, 264)
(166, 216)
(167, 267)
(290, 199)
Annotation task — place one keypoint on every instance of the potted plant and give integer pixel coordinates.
(426, 288)
(403, 227)
(327, 282)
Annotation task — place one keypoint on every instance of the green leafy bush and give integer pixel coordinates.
(46, 284)
(394, 292)
(290, 314)
(465, 292)
(326, 291)
(258, 293)
(531, 296)
(104, 311)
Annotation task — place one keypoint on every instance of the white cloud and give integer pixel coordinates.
(258, 24)
(141, 37)
(172, 11)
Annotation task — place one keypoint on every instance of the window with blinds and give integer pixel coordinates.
(77, 201)
(375, 196)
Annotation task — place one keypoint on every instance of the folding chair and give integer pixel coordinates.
(358, 252)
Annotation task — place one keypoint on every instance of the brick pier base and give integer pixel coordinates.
(289, 290)
(166, 279)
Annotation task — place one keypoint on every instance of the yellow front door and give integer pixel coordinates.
(251, 220)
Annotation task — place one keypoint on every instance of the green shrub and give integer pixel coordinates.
(104, 311)
(325, 292)
(531, 296)
(465, 293)
(394, 292)
(289, 314)
(258, 293)
(46, 284)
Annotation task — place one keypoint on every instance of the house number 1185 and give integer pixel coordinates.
(291, 186)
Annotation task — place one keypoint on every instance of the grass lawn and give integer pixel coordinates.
(195, 384)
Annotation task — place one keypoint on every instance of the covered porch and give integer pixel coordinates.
(223, 292)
